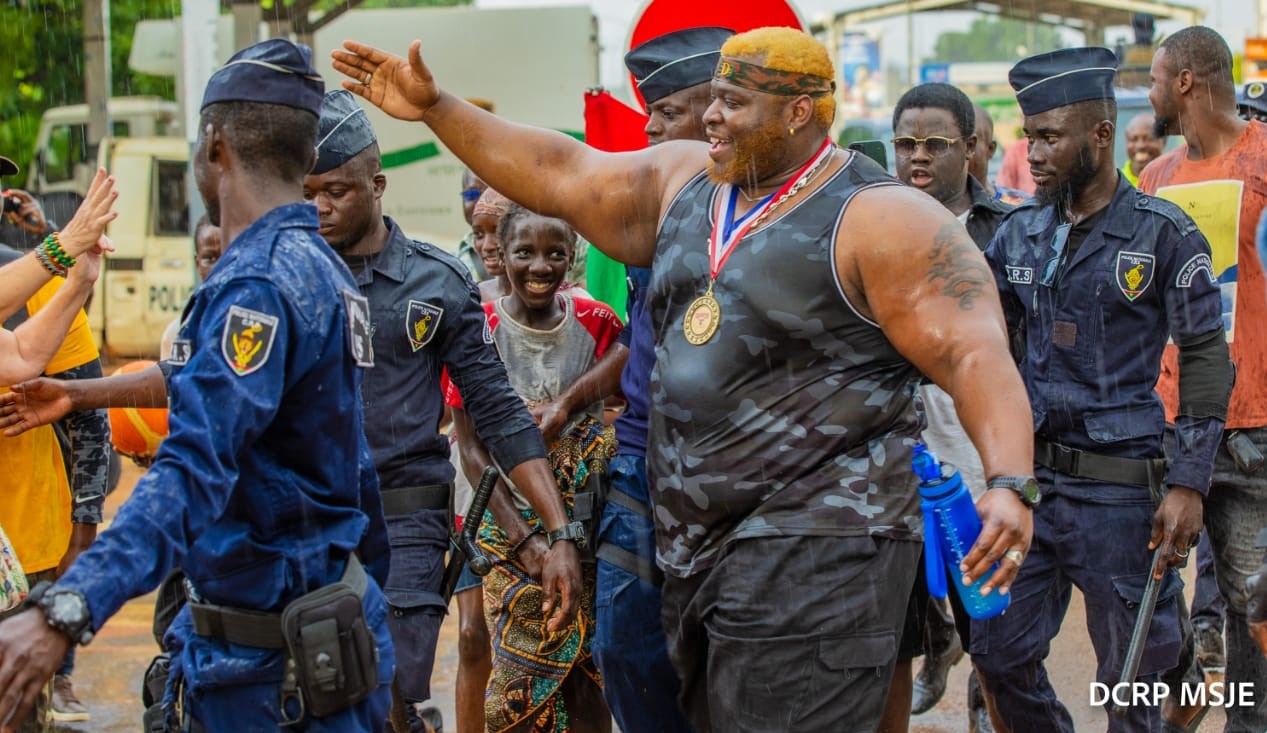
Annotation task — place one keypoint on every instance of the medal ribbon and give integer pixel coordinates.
(725, 235)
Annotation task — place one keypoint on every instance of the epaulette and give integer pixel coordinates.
(1169, 210)
(433, 252)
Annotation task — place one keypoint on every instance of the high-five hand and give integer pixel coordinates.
(402, 89)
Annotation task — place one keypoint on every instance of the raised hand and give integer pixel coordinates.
(30, 215)
(85, 229)
(403, 89)
(88, 267)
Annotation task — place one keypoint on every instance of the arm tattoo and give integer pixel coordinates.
(962, 277)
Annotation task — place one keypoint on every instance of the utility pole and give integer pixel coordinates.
(198, 60)
(96, 72)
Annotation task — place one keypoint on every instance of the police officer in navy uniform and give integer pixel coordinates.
(1095, 277)
(263, 491)
(424, 314)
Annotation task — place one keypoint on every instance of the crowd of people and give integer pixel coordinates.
(742, 549)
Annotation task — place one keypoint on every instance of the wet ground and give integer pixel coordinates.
(109, 671)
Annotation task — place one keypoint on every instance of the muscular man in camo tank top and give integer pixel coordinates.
(786, 362)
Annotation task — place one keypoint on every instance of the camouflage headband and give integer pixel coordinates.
(771, 81)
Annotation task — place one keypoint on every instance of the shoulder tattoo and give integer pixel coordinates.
(954, 262)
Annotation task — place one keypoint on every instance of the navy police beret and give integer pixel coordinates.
(1063, 77)
(676, 61)
(275, 71)
(342, 132)
(1253, 96)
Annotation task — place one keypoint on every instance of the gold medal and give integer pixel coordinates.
(703, 316)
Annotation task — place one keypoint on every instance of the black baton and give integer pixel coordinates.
(463, 549)
(1143, 620)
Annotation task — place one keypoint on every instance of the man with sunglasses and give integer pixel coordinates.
(935, 141)
(1095, 276)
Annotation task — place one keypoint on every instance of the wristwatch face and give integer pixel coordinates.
(67, 609)
(1030, 492)
(1026, 488)
(67, 612)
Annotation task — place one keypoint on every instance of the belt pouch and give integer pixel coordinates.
(334, 653)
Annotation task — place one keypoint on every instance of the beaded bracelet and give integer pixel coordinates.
(48, 263)
(514, 551)
(53, 245)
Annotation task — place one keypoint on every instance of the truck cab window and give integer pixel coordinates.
(66, 148)
(171, 204)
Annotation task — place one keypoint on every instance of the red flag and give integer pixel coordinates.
(612, 125)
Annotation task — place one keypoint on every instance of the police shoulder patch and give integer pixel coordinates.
(421, 322)
(1194, 265)
(360, 332)
(247, 340)
(1134, 273)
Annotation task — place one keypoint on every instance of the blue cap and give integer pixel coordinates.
(676, 61)
(1064, 77)
(275, 71)
(343, 131)
(1253, 96)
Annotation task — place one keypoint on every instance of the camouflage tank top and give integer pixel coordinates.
(798, 416)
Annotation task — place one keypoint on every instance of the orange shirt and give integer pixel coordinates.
(1015, 170)
(1225, 195)
(35, 497)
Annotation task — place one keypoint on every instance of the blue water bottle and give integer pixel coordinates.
(951, 526)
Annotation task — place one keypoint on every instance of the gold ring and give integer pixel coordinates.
(1015, 556)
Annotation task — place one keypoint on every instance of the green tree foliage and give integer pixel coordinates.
(43, 42)
(995, 39)
(43, 55)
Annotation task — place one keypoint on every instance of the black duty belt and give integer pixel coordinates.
(257, 628)
(410, 499)
(1147, 472)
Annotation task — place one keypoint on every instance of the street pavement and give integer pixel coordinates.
(109, 671)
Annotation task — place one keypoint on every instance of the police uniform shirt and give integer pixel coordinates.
(1094, 335)
(425, 314)
(265, 476)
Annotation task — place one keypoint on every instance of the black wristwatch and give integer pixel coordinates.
(64, 610)
(574, 531)
(1025, 487)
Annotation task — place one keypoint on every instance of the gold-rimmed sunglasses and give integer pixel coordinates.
(936, 145)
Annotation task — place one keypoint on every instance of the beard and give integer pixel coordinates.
(1162, 126)
(756, 154)
(1063, 192)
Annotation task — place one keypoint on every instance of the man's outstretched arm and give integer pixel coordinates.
(45, 400)
(613, 199)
